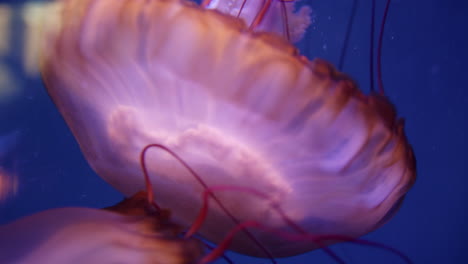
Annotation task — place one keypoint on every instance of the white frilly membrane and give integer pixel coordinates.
(242, 108)
(85, 235)
(279, 16)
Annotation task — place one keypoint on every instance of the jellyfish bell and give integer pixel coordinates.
(124, 233)
(242, 108)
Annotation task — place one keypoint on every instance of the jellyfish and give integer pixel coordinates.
(274, 137)
(125, 233)
(8, 179)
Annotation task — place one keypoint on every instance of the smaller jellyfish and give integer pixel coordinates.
(8, 184)
(8, 179)
(125, 233)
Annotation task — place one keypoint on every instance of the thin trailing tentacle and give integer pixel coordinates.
(200, 180)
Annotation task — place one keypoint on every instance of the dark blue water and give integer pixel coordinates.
(424, 69)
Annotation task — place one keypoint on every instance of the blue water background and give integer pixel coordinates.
(424, 69)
